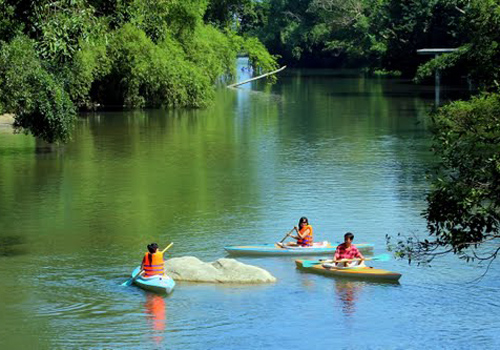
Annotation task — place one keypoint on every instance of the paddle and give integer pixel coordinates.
(132, 279)
(381, 257)
(164, 250)
(280, 245)
(288, 234)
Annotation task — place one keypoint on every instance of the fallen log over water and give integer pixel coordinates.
(259, 77)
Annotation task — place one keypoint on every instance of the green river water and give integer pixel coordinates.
(348, 152)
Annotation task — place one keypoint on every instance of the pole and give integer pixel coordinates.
(437, 85)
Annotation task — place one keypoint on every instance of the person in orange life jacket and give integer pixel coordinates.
(152, 263)
(347, 250)
(304, 234)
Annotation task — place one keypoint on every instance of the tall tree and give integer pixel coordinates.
(463, 213)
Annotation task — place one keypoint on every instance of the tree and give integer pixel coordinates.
(479, 53)
(295, 33)
(60, 55)
(39, 101)
(463, 213)
(9, 26)
(353, 29)
(226, 13)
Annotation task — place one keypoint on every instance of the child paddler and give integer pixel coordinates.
(152, 263)
(347, 250)
(304, 234)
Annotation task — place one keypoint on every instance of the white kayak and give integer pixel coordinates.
(320, 248)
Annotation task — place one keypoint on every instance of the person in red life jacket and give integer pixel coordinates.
(152, 263)
(304, 233)
(347, 250)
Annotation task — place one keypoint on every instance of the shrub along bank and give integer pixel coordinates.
(57, 57)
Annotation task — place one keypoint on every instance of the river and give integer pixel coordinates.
(348, 152)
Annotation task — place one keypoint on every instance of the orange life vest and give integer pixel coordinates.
(155, 266)
(307, 241)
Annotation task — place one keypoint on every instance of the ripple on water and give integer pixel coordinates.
(56, 309)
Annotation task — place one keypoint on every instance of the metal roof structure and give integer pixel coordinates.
(437, 76)
(436, 51)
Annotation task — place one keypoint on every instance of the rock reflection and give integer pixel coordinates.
(348, 294)
(156, 313)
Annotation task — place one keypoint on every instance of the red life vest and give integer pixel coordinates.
(307, 241)
(155, 266)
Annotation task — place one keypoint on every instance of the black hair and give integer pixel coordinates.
(349, 235)
(303, 219)
(152, 249)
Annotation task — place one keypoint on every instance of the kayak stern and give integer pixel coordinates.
(158, 284)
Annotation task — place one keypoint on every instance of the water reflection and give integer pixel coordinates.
(12, 245)
(307, 280)
(156, 314)
(228, 175)
(348, 294)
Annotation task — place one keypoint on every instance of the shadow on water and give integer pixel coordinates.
(12, 245)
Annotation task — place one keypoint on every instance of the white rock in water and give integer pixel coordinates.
(191, 269)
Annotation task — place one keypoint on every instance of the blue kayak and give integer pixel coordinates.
(157, 284)
(273, 249)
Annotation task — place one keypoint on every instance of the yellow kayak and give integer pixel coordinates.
(365, 273)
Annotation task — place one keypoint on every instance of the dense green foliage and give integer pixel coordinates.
(40, 102)
(381, 34)
(377, 33)
(61, 55)
(464, 203)
(140, 53)
(226, 13)
(479, 54)
(145, 73)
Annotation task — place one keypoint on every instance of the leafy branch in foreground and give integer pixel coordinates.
(463, 212)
